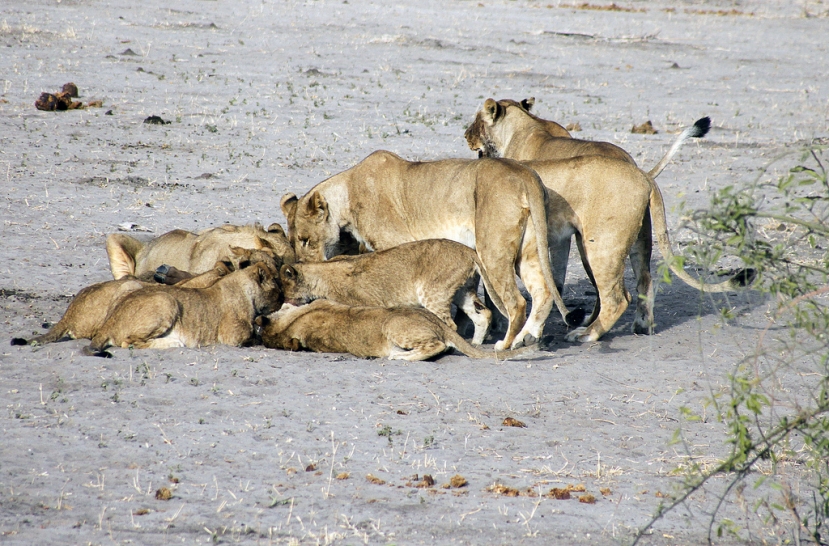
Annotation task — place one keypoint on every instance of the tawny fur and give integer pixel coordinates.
(607, 202)
(506, 128)
(494, 206)
(156, 317)
(401, 333)
(433, 274)
(89, 308)
(192, 252)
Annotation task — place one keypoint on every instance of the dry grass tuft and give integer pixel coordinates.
(427, 481)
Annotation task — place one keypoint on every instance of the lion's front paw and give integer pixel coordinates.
(581, 335)
(525, 341)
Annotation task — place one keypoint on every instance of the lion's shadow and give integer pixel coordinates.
(675, 304)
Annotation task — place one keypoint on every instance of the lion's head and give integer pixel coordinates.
(310, 230)
(497, 121)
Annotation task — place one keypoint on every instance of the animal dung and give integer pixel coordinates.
(62, 100)
(513, 422)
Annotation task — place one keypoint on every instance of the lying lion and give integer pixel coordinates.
(402, 333)
(496, 207)
(433, 273)
(237, 258)
(89, 308)
(162, 317)
(191, 252)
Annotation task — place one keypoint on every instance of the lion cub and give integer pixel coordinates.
(159, 318)
(401, 333)
(89, 308)
(432, 273)
(192, 252)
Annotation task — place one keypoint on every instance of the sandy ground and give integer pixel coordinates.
(263, 97)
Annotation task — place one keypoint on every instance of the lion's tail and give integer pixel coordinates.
(698, 130)
(538, 194)
(493, 295)
(454, 340)
(57, 332)
(660, 226)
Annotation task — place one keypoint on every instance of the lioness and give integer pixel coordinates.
(163, 317)
(507, 128)
(493, 206)
(606, 229)
(237, 258)
(433, 273)
(191, 252)
(89, 308)
(401, 333)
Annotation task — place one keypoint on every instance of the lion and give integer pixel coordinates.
(156, 317)
(401, 333)
(433, 274)
(507, 128)
(607, 228)
(495, 206)
(237, 258)
(191, 252)
(88, 310)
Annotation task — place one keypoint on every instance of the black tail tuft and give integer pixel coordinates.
(19, 341)
(575, 317)
(701, 127)
(744, 277)
(91, 351)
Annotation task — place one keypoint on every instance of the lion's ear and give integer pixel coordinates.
(492, 111)
(263, 244)
(287, 272)
(288, 204)
(317, 206)
(527, 104)
(261, 272)
(276, 228)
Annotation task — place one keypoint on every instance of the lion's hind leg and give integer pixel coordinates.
(608, 270)
(413, 337)
(137, 320)
(531, 273)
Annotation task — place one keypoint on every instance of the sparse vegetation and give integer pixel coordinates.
(776, 406)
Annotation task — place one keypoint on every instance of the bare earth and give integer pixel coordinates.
(263, 98)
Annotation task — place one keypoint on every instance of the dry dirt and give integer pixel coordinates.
(258, 446)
